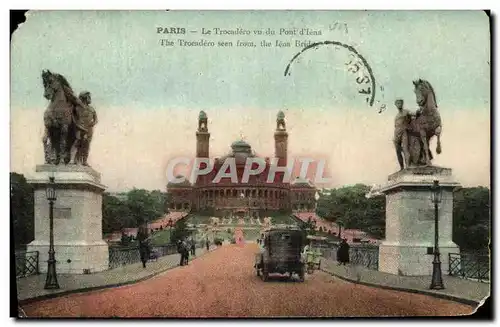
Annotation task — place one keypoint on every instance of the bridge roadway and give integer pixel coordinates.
(224, 284)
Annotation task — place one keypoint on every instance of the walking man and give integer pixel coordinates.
(143, 238)
(343, 253)
(182, 249)
(185, 252)
(193, 247)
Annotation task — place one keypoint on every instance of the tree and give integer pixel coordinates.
(145, 206)
(115, 214)
(22, 210)
(471, 218)
(125, 240)
(138, 207)
(180, 231)
(349, 207)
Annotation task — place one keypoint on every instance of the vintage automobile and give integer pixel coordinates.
(281, 253)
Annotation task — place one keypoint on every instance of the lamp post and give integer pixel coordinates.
(51, 281)
(437, 279)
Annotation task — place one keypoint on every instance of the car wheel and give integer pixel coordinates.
(265, 274)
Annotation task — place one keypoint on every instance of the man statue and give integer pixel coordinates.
(47, 149)
(85, 122)
(401, 122)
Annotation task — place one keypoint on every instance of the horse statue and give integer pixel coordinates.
(60, 128)
(422, 126)
(428, 120)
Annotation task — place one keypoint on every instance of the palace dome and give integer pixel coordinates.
(240, 150)
(184, 183)
(301, 182)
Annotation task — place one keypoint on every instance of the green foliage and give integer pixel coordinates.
(21, 210)
(125, 240)
(309, 226)
(115, 214)
(180, 231)
(349, 207)
(145, 206)
(138, 206)
(161, 237)
(471, 218)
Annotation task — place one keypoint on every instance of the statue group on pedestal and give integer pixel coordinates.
(69, 122)
(412, 131)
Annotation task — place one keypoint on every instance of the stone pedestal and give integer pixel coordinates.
(409, 237)
(79, 247)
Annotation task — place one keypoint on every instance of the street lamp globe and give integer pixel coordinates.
(51, 190)
(436, 193)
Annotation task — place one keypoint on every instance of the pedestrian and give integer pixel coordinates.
(305, 255)
(193, 247)
(143, 238)
(207, 243)
(343, 253)
(185, 252)
(181, 252)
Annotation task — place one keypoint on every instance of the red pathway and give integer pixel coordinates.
(223, 284)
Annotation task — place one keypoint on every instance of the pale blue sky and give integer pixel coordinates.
(116, 56)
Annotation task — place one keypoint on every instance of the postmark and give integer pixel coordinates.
(357, 66)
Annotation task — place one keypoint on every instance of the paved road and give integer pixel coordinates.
(223, 284)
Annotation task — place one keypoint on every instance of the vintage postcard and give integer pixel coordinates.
(243, 164)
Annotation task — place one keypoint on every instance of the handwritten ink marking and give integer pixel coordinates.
(355, 66)
(383, 106)
(339, 27)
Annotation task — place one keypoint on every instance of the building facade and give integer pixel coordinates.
(255, 198)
